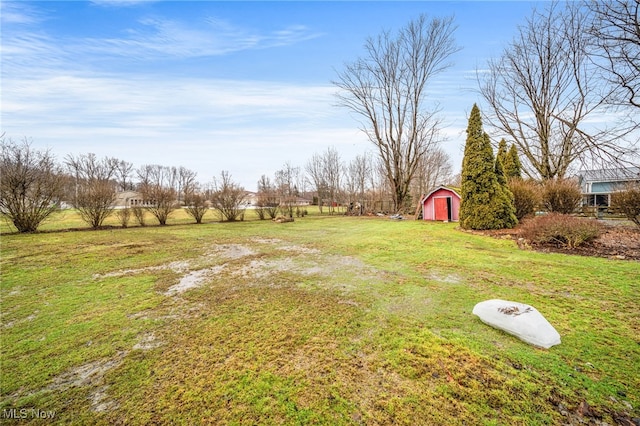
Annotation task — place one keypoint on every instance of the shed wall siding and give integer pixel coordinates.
(428, 206)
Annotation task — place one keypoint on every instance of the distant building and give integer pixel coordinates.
(251, 199)
(128, 199)
(598, 185)
(300, 201)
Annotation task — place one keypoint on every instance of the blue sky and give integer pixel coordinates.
(238, 86)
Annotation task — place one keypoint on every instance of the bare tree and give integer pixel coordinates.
(157, 185)
(186, 183)
(434, 169)
(325, 172)
(123, 177)
(195, 202)
(267, 198)
(380, 195)
(356, 177)
(228, 197)
(124, 170)
(333, 168)
(388, 89)
(455, 180)
(194, 198)
(286, 181)
(31, 184)
(317, 178)
(139, 213)
(616, 31)
(123, 216)
(95, 188)
(543, 90)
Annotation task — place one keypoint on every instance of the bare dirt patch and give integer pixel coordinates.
(177, 267)
(100, 401)
(444, 278)
(86, 374)
(261, 268)
(147, 342)
(267, 240)
(192, 280)
(299, 249)
(232, 251)
(91, 375)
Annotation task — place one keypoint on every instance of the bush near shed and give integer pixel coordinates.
(526, 197)
(561, 195)
(627, 202)
(561, 229)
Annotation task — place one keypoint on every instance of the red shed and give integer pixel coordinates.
(441, 204)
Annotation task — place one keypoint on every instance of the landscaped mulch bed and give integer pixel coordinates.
(618, 241)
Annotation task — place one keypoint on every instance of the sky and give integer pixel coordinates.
(239, 86)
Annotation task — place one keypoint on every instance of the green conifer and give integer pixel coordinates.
(511, 163)
(502, 151)
(485, 202)
(501, 157)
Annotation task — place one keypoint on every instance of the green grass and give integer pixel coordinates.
(326, 320)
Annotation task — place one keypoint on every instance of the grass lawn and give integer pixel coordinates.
(326, 320)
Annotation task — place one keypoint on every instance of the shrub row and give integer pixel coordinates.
(557, 195)
(561, 229)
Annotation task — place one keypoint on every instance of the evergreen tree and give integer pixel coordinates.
(503, 179)
(501, 157)
(511, 163)
(486, 204)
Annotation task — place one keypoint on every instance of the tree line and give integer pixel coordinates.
(33, 185)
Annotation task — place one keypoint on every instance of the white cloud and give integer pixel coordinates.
(53, 92)
(51, 99)
(213, 37)
(249, 128)
(19, 13)
(28, 49)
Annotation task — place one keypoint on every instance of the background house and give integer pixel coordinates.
(251, 199)
(597, 185)
(127, 199)
(441, 204)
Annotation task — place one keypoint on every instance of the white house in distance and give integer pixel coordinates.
(597, 185)
(128, 199)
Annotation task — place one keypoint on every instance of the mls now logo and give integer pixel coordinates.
(27, 413)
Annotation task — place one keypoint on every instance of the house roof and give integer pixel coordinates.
(438, 189)
(610, 175)
(127, 194)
